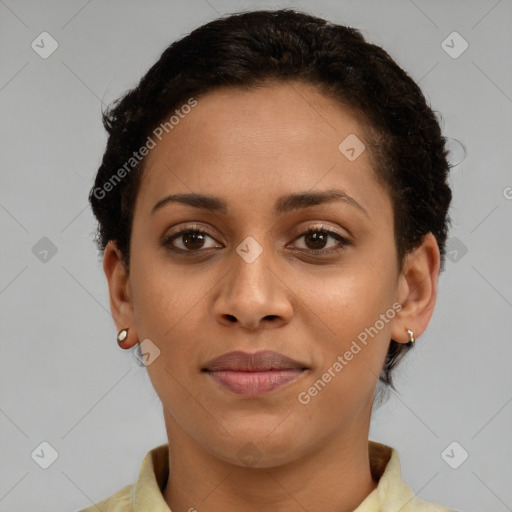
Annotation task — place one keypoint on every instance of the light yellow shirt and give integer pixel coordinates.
(391, 494)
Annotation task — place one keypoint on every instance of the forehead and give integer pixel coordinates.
(266, 121)
(258, 143)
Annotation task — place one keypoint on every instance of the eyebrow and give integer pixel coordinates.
(284, 204)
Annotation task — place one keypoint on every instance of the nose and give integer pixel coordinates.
(253, 295)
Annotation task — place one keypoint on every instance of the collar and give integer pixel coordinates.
(391, 494)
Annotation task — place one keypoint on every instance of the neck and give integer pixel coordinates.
(335, 477)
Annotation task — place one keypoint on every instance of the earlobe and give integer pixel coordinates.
(417, 290)
(119, 292)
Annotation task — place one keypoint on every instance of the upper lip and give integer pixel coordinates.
(264, 360)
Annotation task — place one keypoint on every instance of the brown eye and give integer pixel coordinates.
(189, 240)
(316, 239)
(193, 240)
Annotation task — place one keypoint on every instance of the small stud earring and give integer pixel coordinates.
(121, 337)
(411, 341)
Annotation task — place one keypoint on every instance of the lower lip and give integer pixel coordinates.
(254, 383)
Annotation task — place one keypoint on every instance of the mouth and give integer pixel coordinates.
(254, 374)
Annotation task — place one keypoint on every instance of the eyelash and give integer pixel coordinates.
(167, 242)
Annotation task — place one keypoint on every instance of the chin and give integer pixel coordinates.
(260, 447)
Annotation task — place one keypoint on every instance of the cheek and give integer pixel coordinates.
(358, 316)
(164, 297)
(352, 320)
(349, 299)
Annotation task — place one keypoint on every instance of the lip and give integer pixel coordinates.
(253, 374)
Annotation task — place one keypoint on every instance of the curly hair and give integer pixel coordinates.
(250, 49)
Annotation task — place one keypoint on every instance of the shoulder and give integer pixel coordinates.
(401, 497)
(121, 501)
(419, 505)
(146, 491)
(392, 493)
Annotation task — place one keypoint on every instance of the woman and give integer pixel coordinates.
(272, 208)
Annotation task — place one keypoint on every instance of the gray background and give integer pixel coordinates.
(63, 378)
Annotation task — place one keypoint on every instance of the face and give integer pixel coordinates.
(240, 272)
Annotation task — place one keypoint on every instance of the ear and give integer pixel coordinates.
(119, 291)
(417, 290)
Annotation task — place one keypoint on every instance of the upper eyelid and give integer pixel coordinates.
(320, 226)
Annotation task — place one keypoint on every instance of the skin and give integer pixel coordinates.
(249, 148)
